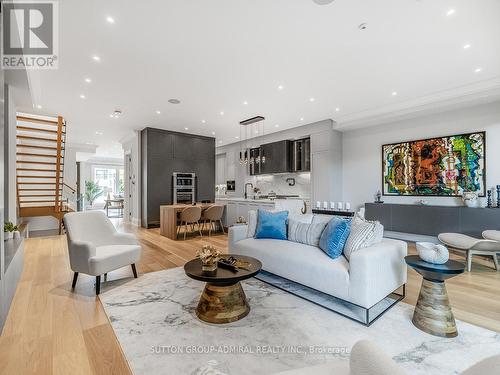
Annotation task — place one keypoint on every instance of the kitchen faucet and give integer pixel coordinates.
(246, 185)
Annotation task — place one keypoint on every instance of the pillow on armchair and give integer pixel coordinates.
(271, 224)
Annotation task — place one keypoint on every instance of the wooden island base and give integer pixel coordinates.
(221, 304)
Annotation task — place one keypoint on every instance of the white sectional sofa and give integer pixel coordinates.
(372, 273)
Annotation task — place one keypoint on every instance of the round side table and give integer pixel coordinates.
(433, 311)
(223, 299)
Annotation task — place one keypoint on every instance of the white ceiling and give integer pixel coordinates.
(214, 55)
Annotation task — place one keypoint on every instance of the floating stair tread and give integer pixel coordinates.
(37, 120)
(29, 128)
(37, 169)
(35, 162)
(37, 146)
(38, 155)
(36, 138)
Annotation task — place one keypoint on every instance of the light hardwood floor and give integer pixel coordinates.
(52, 330)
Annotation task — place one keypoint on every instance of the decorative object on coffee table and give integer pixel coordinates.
(432, 253)
(209, 257)
(223, 299)
(433, 312)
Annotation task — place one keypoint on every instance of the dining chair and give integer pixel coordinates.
(191, 216)
(213, 215)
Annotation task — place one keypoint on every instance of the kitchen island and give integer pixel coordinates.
(238, 207)
(168, 218)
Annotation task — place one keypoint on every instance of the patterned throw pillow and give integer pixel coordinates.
(364, 233)
(306, 233)
(334, 236)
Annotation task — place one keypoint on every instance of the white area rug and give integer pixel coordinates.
(153, 318)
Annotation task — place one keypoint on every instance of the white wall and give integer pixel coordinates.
(131, 147)
(10, 156)
(362, 158)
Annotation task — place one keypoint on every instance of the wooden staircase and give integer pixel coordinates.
(40, 148)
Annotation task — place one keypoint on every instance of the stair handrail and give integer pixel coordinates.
(57, 207)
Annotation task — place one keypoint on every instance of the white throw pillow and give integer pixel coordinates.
(364, 233)
(305, 233)
(252, 223)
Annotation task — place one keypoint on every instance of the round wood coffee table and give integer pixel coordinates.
(223, 299)
(433, 311)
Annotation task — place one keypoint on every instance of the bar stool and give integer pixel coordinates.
(212, 215)
(189, 215)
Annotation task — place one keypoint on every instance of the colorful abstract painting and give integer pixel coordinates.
(447, 166)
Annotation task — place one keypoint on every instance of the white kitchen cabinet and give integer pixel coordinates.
(230, 166)
(220, 169)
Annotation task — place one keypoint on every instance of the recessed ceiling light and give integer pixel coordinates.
(323, 2)
(467, 46)
(110, 19)
(337, 109)
(158, 112)
(280, 87)
(312, 100)
(203, 121)
(88, 80)
(174, 101)
(186, 128)
(276, 126)
(245, 103)
(450, 12)
(363, 26)
(38, 106)
(477, 70)
(237, 137)
(96, 58)
(221, 113)
(111, 115)
(82, 96)
(213, 133)
(302, 119)
(99, 133)
(394, 93)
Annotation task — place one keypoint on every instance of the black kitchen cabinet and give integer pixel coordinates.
(165, 152)
(277, 157)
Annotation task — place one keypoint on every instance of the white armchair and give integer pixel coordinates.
(96, 248)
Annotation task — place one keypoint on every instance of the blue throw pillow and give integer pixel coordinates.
(335, 236)
(271, 224)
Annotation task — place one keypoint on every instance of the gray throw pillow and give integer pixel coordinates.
(306, 233)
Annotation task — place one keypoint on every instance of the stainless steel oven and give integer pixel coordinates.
(184, 187)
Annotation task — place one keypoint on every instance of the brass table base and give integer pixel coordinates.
(221, 304)
(433, 311)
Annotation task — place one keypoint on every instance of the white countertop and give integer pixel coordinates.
(237, 199)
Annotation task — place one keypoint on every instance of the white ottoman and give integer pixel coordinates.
(471, 245)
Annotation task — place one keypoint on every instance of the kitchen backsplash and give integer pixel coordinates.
(278, 183)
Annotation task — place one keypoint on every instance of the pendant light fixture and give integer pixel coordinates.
(247, 132)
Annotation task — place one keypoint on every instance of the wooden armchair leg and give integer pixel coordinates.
(75, 277)
(97, 285)
(222, 226)
(199, 229)
(134, 270)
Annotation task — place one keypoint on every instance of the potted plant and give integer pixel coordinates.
(92, 192)
(8, 230)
